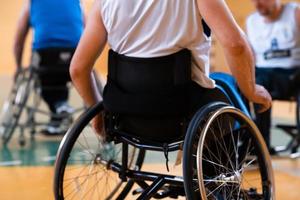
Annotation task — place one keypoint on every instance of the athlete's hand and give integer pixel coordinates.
(262, 97)
(98, 125)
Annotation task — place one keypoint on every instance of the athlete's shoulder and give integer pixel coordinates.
(253, 16)
(252, 19)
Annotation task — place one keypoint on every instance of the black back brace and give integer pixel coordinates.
(148, 86)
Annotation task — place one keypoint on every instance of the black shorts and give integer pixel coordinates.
(281, 83)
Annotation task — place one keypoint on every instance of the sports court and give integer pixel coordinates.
(27, 172)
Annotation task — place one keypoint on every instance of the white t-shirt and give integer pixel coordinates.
(276, 44)
(153, 28)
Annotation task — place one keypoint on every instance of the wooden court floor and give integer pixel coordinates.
(26, 173)
(35, 182)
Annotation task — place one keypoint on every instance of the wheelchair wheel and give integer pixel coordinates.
(14, 105)
(82, 169)
(225, 157)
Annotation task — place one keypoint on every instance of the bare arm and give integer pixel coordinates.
(21, 33)
(90, 47)
(236, 48)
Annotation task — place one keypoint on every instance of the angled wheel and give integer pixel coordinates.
(14, 105)
(82, 169)
(225, 157)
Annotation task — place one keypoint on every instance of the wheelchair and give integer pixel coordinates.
(22, 106)
(224, 156)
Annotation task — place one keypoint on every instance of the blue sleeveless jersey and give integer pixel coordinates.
(56, 23)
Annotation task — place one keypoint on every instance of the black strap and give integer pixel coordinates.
(166, 153)
(118, 101)
(206, 28)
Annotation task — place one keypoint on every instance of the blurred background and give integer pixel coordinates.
(26, 172)
(10, 12)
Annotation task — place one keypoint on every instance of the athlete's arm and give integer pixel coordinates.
(90, 47)
(21, 33)
(236, 48)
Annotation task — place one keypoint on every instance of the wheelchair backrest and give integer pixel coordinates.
(147, 86)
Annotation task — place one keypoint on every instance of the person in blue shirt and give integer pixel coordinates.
(57, 27)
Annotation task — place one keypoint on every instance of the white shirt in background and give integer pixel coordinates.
(276, 44)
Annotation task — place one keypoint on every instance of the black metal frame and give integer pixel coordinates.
(161, 185)
(176, 185)
(158, 181)
(30, 122)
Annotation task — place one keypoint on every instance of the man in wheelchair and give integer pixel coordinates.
(57, 30)
(157, 89)
(274, 32)
(134, 40)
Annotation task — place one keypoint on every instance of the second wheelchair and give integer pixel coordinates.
(22, 109)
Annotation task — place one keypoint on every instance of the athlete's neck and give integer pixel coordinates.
(275, 15)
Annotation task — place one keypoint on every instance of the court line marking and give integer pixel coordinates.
(11, 163)
(49, 158)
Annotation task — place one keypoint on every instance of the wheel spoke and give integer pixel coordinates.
(93, 178)
(227, 157)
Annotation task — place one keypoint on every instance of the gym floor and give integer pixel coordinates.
(27, 172)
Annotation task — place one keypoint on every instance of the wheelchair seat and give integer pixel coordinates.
(225, 84)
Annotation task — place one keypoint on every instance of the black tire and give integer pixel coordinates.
(99, 158)
(223, 151)
(14, 105)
